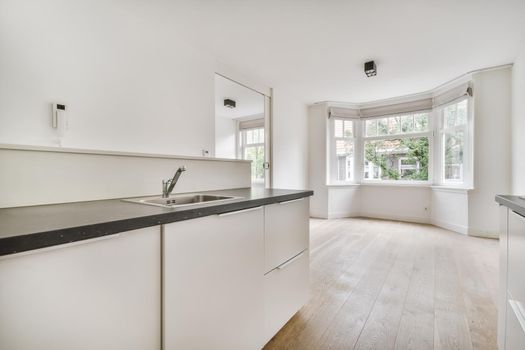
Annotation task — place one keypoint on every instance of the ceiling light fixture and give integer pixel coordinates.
(370, 69)
(229, 103)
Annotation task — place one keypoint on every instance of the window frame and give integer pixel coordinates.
(406, 135)
(243, 145)
(468, 152)
(332, 158)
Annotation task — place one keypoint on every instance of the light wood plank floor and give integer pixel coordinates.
(389, 285)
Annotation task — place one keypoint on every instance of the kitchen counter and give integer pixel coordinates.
(28, 228)
(515, 203)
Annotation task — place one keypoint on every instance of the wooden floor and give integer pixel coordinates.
(390, 285)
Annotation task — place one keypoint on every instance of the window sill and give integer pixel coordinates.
(395, 184)
(453, 189)
(349, 184)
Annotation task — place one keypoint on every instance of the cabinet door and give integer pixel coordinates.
(95, 294)
(286, 291)
(515, 332)
(502, 292)
(516, 256)
(286, 229)
(213, 282)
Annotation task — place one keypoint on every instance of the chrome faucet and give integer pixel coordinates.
(168, 185)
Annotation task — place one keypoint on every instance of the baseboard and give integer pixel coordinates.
(419, 220)
(340, 215)
(483, 233)
(451, 227)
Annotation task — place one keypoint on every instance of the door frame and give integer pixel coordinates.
(267, 94)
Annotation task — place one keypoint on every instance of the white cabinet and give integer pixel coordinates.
(286, 291)
(511, 320)
(286, 282)
(94, 294)
(213, 282)
(286, 228)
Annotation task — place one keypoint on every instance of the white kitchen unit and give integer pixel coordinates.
(286, 282)
(285, 231)
(102, 293)
(231, 281)
(511, 324)
(213, 282)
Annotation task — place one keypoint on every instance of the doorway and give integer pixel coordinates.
(242, 127)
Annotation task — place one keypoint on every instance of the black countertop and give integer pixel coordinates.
(29, 228)
(516, 203)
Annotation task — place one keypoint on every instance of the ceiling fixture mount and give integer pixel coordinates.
(229, 103)
(370, 69)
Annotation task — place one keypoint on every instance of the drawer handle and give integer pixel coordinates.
(291, 260)
(240, 211)
(519, 311)
(291, 201)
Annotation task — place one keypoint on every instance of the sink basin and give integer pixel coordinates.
(180, 200)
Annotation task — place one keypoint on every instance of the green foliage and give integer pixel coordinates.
(416, 149)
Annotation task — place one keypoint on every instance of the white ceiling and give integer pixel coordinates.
(316, 48)
(248, 102)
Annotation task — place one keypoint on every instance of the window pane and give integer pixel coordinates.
(348, 128)
(249, 136)
(454, 147)
(371, 127)
(461, 117)
(394, 125)
(338, 128)
(256, 155)
(382, 126)
(344, 152)
(407, 123)
(420, 122)
(397, 159)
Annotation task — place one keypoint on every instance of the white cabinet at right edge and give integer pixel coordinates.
(511, 308)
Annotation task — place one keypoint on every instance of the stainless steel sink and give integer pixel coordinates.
(180, 200)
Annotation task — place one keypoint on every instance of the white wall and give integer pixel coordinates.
(344, 201)
(407, 203)
(290, 141)
(492, 151)
(518, 124)
(47, 175)
(225, 137)
(128, 83)
(449, 209)
(317, 161)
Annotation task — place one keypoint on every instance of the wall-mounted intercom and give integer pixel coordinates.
(59, 119)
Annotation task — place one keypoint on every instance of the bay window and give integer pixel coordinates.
(395, 143)
(397, 148)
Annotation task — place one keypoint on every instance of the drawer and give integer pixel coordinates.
(515, 332)
(286, 290)
(516, 256)
(286, 231)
